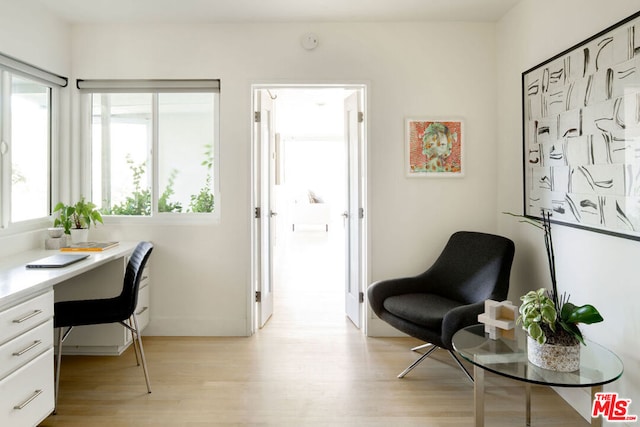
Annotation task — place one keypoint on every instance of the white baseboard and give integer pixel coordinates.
(379, 329)
(578, 398)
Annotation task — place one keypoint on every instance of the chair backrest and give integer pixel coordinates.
(473, 267)
(132, 276)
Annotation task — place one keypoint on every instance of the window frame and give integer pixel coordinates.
(10, 67)
(154, 87)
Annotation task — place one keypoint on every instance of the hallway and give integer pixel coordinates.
(309, 281)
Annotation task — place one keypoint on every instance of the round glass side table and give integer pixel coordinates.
(508, 358)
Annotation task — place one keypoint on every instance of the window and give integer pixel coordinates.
(26, 113)
(153, 146)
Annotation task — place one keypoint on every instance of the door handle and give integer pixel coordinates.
(272, 213)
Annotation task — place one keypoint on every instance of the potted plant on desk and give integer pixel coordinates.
(551, 321)
(76, 219)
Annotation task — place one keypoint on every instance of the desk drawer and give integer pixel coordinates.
(22, 317)
(144, 280)
(26, 347)
(142, 309)
(26, 396)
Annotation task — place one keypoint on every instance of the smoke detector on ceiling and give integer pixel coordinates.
(309, 41)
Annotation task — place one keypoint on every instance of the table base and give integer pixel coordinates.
(478, 399)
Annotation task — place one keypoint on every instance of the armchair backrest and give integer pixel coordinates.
(472, 267)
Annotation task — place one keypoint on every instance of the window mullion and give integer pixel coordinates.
(5, 153)
(153, 154)
(105, 109)
(52, 134)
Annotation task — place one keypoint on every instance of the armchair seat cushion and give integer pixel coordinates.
(423, 309)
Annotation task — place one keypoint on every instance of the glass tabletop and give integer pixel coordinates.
(508, 358)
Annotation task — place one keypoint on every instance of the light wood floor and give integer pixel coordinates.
(308, 367)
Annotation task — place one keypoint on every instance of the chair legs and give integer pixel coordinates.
(137, 345)
(138, 339)
(461, 365)
(61, 338)
(427, 354)
(417, 362)
(420, 347)
(144, 361)
(133, 340)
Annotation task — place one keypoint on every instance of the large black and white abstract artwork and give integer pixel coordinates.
(581, 132)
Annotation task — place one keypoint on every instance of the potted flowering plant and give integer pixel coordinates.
(551, 321)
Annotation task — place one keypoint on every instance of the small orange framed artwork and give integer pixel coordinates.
(434, 148)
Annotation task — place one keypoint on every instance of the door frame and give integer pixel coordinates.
(252, 305)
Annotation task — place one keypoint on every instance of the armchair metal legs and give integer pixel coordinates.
(417, 362)
(424, 356)
(461, 365)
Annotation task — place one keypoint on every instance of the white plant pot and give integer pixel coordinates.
(79, 235)
(559, 358)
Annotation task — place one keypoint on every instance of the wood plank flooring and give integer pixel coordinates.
(298, 379)
(308, 367)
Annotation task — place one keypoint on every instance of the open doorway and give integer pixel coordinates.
(308, 193)
(309, 254)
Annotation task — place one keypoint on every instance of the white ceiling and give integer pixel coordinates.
(206, 11)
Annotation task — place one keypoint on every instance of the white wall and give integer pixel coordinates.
(30, 34)
(202, 273)
(593, 268)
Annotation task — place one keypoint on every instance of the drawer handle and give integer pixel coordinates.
(29, 400)
(142, 311)
(31, 347)
(28, 316)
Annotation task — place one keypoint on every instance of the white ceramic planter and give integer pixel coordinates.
(559, 358)
(79, 235)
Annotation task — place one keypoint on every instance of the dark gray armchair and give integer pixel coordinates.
(448, 296)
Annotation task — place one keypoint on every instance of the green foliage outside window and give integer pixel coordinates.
(203, 201)
(164, 205)
(139, 202)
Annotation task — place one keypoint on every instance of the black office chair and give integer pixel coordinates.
(434, 305)
(119, 309)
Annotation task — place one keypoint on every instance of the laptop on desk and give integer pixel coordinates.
(57, 261)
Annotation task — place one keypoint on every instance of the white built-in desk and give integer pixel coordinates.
(17, 281)
(26, 324)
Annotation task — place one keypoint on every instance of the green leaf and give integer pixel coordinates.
(549, 314)
(535, 331)
(573, 329)
(96, 217)
(567, 309)
(530, 296)
(586, 314)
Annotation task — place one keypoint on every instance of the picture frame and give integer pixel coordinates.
(581, 133)
(434, 148)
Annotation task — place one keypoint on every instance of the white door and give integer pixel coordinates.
(265, 215)
(353, 215)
